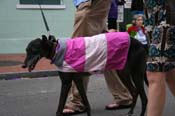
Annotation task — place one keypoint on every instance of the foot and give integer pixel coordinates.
(69, 111)
(115, 106)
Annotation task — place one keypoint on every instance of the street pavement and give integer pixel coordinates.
(39, 97)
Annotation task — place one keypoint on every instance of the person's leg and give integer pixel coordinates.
(74, 101)
(120, 93)
(170, 79)
(156, 93)
(89, 20)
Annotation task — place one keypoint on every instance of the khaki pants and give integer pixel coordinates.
(90, 19)
(118, 90)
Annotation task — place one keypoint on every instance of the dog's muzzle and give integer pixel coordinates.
(31, 63)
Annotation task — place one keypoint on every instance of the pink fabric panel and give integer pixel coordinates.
(117, 50)
(75, 53)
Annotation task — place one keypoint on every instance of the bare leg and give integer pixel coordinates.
(170, 79)
(156, 93)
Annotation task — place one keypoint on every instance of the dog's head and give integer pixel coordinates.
(37, 49)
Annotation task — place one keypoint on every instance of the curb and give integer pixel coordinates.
(34, 74)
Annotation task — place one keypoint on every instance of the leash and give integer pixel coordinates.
(44, 19)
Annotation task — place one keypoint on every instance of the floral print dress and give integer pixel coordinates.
(161, 36)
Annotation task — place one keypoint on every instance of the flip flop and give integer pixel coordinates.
(117, 107)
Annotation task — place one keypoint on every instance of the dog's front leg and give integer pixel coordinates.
(79, 84)
(66, 79)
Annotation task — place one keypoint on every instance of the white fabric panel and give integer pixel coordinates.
(66, 68)
(96, 52)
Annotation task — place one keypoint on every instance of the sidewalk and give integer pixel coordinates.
(10, 67)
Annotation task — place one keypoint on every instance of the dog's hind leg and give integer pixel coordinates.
(125, 77)
(79, 84)
(66, 79)
(138, 70)
(137, 65)
(139, 84)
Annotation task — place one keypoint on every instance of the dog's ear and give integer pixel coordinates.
(52, 38)
(44, 38)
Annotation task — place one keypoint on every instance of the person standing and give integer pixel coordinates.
(112, 16)
(121, 95)
(90, 19)
(160, 30)
(137, 30)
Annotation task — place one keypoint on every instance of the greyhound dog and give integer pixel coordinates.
(131, 65)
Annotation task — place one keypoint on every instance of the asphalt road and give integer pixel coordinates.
(39, 97)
